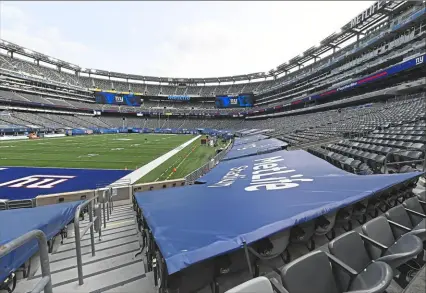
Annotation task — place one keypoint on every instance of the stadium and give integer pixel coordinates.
(307, 178)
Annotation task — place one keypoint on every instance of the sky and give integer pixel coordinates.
(174, 39)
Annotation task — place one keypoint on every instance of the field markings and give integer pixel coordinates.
(145, 169)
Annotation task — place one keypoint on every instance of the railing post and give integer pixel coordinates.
(103, 208)
(46, 281)
(92, 232)
(78, 246)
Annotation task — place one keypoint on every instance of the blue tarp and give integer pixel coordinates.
(247, 199)
(258, 147)
(14, 223)
(248, 139)
(18, 183)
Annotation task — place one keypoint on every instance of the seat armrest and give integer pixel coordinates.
(350, 271)
(416, 213)
(406, 229)
(373, 242)
(277, 286)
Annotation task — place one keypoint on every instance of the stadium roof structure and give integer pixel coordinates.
(375, 14)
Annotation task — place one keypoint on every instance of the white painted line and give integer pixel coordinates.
(142, 171)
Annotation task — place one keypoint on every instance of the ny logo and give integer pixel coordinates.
(419, 60)
(37, 181)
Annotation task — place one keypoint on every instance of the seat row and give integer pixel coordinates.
(269, 252)
(388, 247)
(359, 156)
(385, 143)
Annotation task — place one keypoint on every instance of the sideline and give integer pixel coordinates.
(145, 169)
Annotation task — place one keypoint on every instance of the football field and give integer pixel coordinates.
(109, 151)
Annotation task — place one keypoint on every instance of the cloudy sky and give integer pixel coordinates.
(176, 39)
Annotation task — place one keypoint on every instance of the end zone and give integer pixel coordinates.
(17, 183)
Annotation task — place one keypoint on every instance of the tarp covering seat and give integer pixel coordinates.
(14, 223)
(247, 199)
(248, 139)
(254, 148)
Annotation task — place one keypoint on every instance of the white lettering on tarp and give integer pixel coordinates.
(230, 177)
(37, 181)
(265, 176)
(246, 147)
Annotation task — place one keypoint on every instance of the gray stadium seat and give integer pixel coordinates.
(313, 273)
(358, 258)
(399, 215)
(416, 212)
(383, 245)
(259, 284)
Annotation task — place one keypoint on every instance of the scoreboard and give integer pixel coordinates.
(241, 100)
(129, 99)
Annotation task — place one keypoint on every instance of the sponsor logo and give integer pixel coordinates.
(231, 177)
(37, 181)
(268, 174)
(265, 173)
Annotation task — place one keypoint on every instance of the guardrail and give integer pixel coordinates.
(192, 177)
(46, 281)
(78, 236)
(387, 163)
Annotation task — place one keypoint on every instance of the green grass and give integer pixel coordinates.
(186, 161)
(110, 151)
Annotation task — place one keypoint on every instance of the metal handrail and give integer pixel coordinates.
(386, 163)
(79, 236)
(46, 281)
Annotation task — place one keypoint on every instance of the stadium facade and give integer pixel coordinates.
(380, 53)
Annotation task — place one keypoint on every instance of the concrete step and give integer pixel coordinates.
(138, 284)
(69, 275)
(93, 283)
(104, 238)
(98, 246)
(111, 231)
(87, 258)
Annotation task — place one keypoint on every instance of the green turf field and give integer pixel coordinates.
(187, 160)
(110, 151)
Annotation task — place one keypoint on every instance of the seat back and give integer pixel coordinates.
(192, 278)
(259, 284)
(399, 215)
(379, 230)
(350, 249)
(310, 273)
(414, 204)
(302, 233)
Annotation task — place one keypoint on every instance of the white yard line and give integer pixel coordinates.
(142, 171)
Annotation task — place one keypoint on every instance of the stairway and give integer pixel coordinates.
(114, 268)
